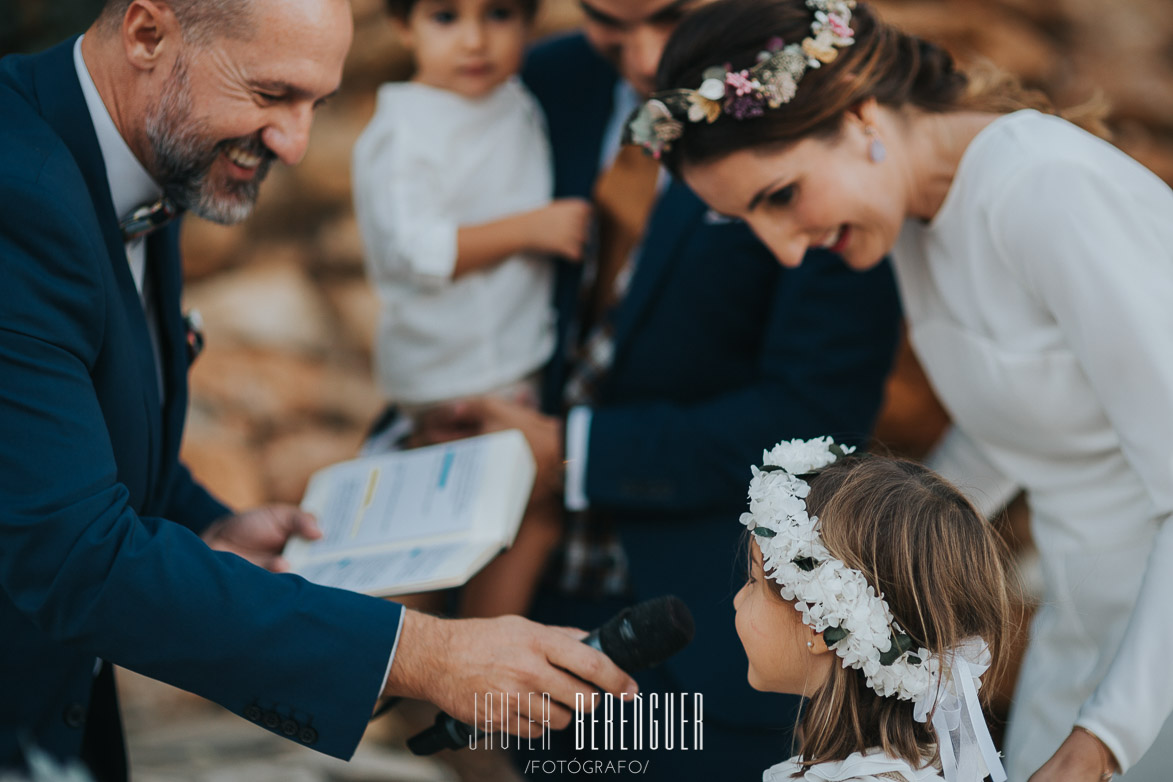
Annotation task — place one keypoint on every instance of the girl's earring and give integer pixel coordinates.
(876, 149)
(810, 644)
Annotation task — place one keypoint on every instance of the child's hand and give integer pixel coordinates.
(562, 227)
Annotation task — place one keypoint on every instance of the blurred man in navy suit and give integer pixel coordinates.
(674, 371)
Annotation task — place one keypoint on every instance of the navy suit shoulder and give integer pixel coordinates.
(33, 158)
(566, 64)
(43, 187)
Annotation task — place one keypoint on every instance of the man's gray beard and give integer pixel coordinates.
(183, 157)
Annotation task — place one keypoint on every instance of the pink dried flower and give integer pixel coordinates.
(740, 82)
(839, 26)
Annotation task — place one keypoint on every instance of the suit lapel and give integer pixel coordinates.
(662, 242)
(63, 106)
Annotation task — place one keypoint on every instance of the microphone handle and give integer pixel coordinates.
(446, 733)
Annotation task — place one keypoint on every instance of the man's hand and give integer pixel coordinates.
(450, 661)
(479, 415)
(1082, 757)
(259, 535)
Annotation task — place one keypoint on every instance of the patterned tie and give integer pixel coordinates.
(148, 218)
(591, 560)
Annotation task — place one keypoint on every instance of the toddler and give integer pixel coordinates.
(877, 591)
(452, 187)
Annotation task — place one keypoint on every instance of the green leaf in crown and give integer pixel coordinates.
(901, 643)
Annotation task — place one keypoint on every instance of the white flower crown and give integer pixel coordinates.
(834, 599)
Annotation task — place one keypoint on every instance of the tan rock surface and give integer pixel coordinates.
(268, 302)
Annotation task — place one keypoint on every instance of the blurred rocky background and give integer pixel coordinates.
(284, 386)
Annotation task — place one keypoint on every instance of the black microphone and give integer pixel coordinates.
(638, 637)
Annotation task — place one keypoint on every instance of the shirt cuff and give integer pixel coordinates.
(578, 434)
(394, 648)
(431, 253)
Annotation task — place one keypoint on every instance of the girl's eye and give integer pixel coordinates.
(443, 17)
(501, 14)
(783, 196)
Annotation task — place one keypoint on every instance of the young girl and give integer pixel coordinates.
(879, 592)
(452, 185)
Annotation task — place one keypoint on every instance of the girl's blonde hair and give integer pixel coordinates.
(941, 568)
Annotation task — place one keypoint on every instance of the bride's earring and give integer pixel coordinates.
(810, 644)
(876, 149)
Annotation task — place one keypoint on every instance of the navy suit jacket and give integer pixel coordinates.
(720, 353)
(99, 554)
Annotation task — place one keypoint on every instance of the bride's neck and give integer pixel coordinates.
(938, 142)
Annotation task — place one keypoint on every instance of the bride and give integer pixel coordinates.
(1036, 271)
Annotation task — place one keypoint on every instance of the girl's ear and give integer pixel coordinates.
(818, 644)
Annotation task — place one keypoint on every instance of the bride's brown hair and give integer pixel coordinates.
(895, 68)
(942, 569)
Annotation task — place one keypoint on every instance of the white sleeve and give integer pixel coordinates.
(406, 226)
(959, 460)
(1100, 259)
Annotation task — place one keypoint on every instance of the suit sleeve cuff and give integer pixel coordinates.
(394, 648)
(578, 433)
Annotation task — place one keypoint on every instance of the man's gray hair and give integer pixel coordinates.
(201, 21)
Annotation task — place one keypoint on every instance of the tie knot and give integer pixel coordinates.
(148, 218)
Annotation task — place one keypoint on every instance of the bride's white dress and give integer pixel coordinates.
(1040, 302)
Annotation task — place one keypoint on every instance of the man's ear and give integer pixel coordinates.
(149, 32)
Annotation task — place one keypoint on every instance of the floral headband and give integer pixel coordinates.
(855, 621)
(746, 93)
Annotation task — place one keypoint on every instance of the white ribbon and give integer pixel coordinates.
(963, 741)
